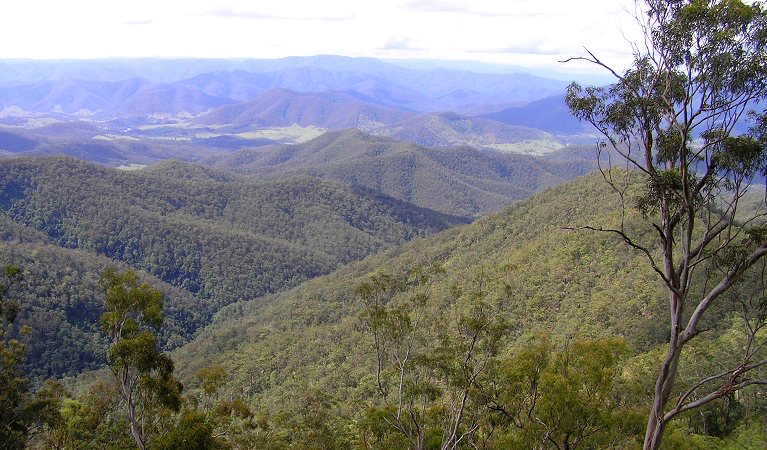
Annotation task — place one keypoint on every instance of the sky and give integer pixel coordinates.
(530, 33)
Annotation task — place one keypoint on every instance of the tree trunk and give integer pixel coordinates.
(137, 436)
(656, 423)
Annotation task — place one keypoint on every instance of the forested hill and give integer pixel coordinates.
(86, 141)
(551, 280)
(458, 180)
(552, 283)
(217, 237)
(62, 300)
(282, 107)
(447, 128)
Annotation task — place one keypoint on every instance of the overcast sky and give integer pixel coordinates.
(532, 33)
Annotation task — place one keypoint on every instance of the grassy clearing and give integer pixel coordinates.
(530, 147)
(293, 134)
(128, 167)
(114, 137)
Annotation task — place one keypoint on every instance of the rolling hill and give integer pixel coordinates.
(459, 180)
(549, 114)
(551, 284)
(565, 284)
(447, 129)
(281, 107)
(213, 236)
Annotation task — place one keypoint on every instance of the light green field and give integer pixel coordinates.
(129, 167)
(534, 147)
(293, 134)
(114, 137)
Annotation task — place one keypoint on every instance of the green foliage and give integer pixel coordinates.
(90, 421)
(231, 420)
(461, 180)
(672, 116)
(191, 433)
(538, 277)
(143, 376)
(313, 425)
(161, 221)
(564, 398)
(14, 399)
(63, 303)
(9, 308)
(216, 238)
(435, 387)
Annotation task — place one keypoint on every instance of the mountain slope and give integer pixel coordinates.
(86, 141)
(280, 107)
(446, 129)
(215, 236)
(566, 284)
(460, 180)
(549, 114)
(278, 232)
(61, 301)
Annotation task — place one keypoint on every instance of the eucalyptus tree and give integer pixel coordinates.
(429, 383)
(700, 69)
(142, 374)
(14, 401)
(672, 117)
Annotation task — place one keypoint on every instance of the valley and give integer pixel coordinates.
(351, 253)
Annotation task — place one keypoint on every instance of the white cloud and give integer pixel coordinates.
(284, 10)
(529, 32)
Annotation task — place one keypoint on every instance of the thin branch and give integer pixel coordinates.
(593, 60)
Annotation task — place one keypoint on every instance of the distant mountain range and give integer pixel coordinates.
(282, 107)
(108, 98)
(548, 114)
(147, 86)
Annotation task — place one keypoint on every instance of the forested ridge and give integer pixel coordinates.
(355, 291)
(303, 360)
(455, 180)
(557, 286)
(215, 237)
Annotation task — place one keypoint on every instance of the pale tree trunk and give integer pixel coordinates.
(137, 435)
(656, 423)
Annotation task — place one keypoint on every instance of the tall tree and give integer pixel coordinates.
(429, 385)
(671, 116)
(143, 375)
(13, 386)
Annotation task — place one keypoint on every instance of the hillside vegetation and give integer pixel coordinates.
(551, 283)
(447, 129)
(215, 237)
(459, 180)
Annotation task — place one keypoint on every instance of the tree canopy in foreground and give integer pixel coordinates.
(672, 117)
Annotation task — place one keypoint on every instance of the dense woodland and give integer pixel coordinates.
(577, 328)
(216, 238)
(461, 180)
(355, 290)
